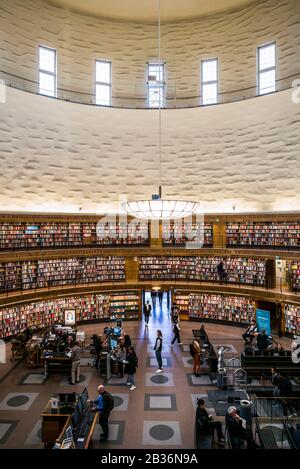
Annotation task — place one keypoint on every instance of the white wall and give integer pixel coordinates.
(61, 156)
(233, 37)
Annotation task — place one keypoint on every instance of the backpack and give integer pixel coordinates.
(111, 402)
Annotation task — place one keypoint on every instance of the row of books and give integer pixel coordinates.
(16, 235)
(294, 275)
(89, 307)
(292, 319)
(44, 273)
(238, 269)
(216, 306)
(281, 234)
(179, 232)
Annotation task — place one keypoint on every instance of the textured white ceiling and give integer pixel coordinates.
(147, 10)
(58, 156)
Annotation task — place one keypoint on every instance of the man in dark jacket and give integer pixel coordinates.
(262, 341)
(286, 393)
(206, 425)
(176, 330)
(236, 430)
(104, 405)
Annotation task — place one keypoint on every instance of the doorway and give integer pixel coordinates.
(161, 301)
(280, 270)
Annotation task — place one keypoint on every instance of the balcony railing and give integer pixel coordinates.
(135, 96)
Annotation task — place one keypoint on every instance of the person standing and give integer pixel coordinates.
(121, 357)
(75, 357)
(147, 312)
(104, 405)
(130, 367)
(176, 330)
(153, 298)
(160, 297)
(221, 272)
(275, 380)
(195, 350)
(158, 349)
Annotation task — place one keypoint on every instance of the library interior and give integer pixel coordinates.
(150, 225)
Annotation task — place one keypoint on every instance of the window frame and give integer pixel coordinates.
(102, 83)
(161, 85)
(269, 69)
(211, 82)
(46, 72)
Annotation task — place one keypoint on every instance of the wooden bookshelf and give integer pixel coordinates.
(177, 233)
(239, 269)
(32, 274)
(269, 234)
(92, 307)
(124, 305)
(294, 275)
(218, 307)
(292, 319)
(22, 235)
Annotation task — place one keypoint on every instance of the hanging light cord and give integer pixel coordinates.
(159, 100)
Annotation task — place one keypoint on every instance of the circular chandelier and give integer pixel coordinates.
(158, 208)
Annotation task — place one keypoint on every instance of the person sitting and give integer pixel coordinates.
(250, 332)
(278, 348)
(295, 432)
(206, 426)
(237, 431)
(249, 349)
(262, 341)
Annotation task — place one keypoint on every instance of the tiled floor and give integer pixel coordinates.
(159, 413)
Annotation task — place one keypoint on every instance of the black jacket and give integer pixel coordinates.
(262, 341)
(147, 309)
(235, 429)
(158, 344)
(203, 422)
(107, 397)
(131, 366)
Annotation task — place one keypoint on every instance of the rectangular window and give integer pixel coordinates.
(47, 71)
(103, 82)
(266, 57)
(209, 81)
(156, 85)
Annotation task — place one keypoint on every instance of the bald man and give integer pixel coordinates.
(104, 405)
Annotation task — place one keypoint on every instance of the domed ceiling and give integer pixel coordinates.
(147, 10)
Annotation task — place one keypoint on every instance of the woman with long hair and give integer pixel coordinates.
(158, 349)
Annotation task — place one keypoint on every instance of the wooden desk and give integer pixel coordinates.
(57, 365)
(53, 422)
(88, 442)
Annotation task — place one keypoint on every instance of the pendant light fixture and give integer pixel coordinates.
(158, 208)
